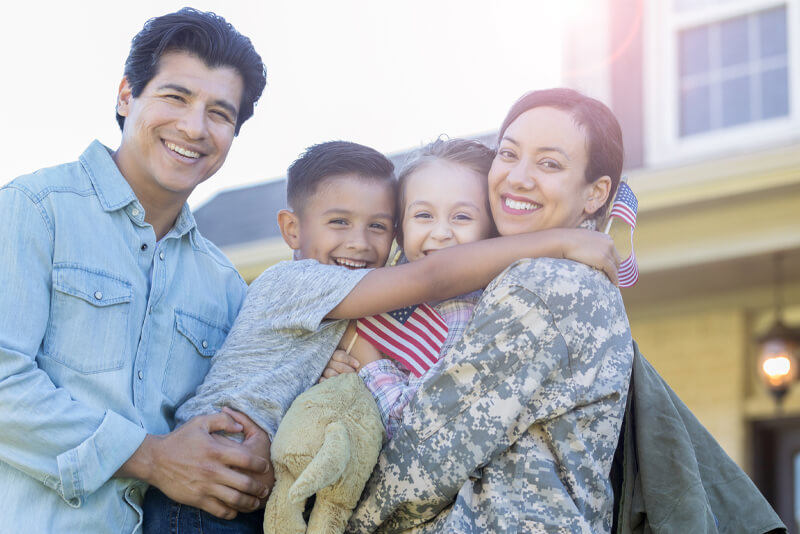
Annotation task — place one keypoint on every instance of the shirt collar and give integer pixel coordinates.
(111, 187)
(114, 191)
(185, 222)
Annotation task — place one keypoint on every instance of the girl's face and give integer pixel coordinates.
(445, 205)
(537, 178)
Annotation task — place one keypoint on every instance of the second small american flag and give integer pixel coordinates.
(412, 336)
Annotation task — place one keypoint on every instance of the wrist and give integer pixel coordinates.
(140, 464)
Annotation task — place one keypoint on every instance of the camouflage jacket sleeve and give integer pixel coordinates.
(532, 400)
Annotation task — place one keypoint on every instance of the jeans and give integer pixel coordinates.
(162, 515)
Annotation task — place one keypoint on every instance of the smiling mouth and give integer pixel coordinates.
(519, 205)
(185, 152)
(350, 264)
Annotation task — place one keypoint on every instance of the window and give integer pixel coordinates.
(720, 76)
(733, 72)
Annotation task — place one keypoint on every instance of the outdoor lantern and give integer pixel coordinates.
(778, 348)
(777, 363)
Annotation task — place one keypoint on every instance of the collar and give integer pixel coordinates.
(111, 187)
(114, 191)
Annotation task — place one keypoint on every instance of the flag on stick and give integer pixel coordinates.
(413, 336)
(625, 207)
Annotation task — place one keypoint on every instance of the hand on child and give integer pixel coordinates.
(594, 249)
(193, 465)
(257, 441)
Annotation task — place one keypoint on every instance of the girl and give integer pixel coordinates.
(442, 201)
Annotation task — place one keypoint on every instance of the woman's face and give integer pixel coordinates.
(537, 178)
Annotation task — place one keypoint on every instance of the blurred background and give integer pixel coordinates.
(707, 91)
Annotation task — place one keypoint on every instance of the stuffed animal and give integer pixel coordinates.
(327, 444)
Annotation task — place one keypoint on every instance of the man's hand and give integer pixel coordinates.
(258, 442)
(193, 466)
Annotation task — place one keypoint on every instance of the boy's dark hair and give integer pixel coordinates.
(324, 160)
(467, 152)
(205, 35)
(603, 132)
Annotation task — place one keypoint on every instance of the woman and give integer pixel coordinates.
(517, 431)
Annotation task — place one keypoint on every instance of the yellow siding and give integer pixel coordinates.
(701, 356)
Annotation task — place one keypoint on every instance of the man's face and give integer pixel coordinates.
(178, 131)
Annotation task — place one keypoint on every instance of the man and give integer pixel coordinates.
(112, 303)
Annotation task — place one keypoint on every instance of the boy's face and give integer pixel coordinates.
(348, 221)
(445, 205)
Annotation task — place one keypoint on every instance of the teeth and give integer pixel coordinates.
(351, 263)
(517, 205)
(182, 151)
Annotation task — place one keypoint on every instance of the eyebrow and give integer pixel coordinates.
(542, 148)
(339, 211)
(467, 203)
(224, 104)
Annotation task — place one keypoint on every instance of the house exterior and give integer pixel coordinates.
(708, 94)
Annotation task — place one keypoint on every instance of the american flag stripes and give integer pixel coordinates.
(625, 207)
(628, 271)
(413, 336)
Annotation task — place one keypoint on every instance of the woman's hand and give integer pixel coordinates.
(594, 249)
(341, 362)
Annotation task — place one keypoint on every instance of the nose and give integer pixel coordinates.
(519, 176)
(357, 240)
(194, 122)
(442, 231)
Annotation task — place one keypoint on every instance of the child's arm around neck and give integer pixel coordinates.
(463, 268)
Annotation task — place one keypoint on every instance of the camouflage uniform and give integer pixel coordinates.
(518, 430)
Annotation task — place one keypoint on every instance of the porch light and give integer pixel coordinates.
(778, 348)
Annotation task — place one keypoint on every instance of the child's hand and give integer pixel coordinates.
(593, 248)
(341, 362)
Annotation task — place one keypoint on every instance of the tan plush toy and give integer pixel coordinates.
(327, 443)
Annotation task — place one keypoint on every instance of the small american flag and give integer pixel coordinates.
(413, 336)
(625, 207)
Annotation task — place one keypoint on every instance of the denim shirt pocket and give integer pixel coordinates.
(194, 341)
(88, 304)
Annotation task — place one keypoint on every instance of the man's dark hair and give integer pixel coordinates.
(325, 160)
(205, 35)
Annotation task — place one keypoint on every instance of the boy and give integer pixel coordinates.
(342, 201)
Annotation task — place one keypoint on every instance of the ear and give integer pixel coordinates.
(596, 194)
(289, 223)
(124, 96)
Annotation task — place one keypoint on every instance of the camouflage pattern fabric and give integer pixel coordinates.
(517, 431)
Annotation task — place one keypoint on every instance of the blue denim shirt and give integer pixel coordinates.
(93, 356)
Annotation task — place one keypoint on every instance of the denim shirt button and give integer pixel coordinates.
(141, 375)
(161, 255)
(205, 344)
(98, 295)
(135, 212)
(144, 246)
